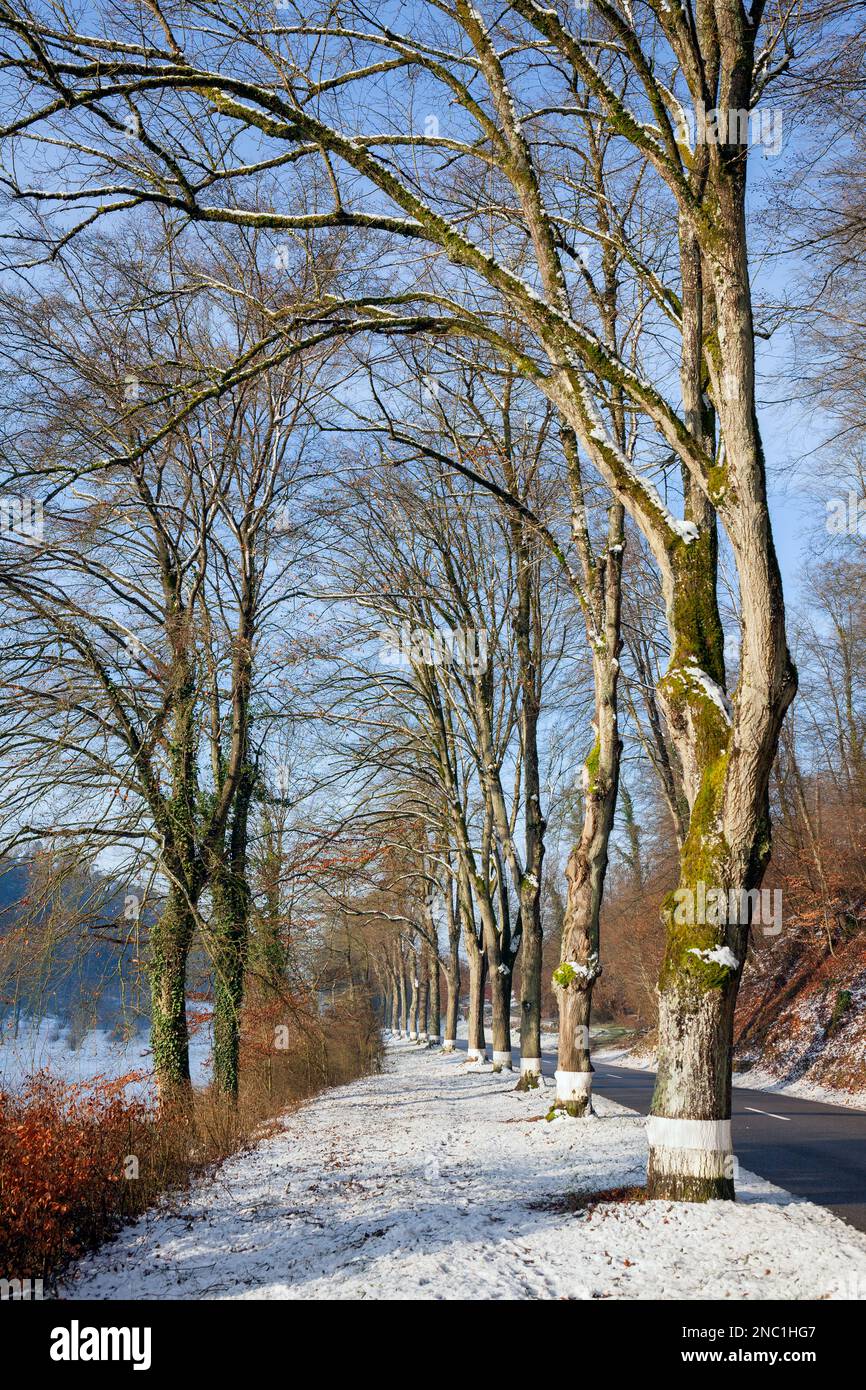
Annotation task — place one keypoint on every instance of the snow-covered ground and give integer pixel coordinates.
(46, 1044)
(428, 1182)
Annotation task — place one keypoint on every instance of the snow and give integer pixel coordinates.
(720, 955)
(48, 1044)
(588, 971)
(711, 689)
(428, 1182)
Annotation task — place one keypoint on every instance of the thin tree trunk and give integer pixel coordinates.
(434, 1022)
(403, 1030)
(452, 974)
(423, 997)
(528, 631)
(394, 1016)
(585, 873)
(531, 948)
(499, 975)
(232, 905)
(413, 1005)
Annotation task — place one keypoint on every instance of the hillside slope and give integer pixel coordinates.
(801, 1015)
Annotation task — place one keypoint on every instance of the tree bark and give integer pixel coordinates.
(531, 947)
(434, 1020)
(394, 1014)
(580, 964)
(403, 1029)
(170, 940)
(726, 752)
(499, 975)
(229, 938)
(452, 974)
(477, 970)
(413, 1004)
(423, 996)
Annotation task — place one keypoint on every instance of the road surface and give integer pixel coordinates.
(814, 1150)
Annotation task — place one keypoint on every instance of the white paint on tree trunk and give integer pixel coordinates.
(502, 1059)
(573, 1085)
(710, 1136)
(530, 1064)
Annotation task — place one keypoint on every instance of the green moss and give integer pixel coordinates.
(575, 1109)
(703, 861)
(591, 764)
(840, 1008)
(670, 1187)
(697, 626)
(563, 975)
(718, 485)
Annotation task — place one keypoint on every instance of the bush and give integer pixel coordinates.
(77, 1161)
(63, 1168)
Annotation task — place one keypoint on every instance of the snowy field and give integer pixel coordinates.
(45, 1044)
(425, 1183)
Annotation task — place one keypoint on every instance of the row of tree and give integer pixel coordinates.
(349, 357)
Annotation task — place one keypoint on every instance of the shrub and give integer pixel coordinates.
(77, 1161)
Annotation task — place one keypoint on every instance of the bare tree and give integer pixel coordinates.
(141, 615)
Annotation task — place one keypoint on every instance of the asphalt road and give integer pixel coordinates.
(815, 1151)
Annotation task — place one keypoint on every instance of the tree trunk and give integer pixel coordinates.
(580, 956)
(726, 757)
(232, 905)
(580, 963)
(499, 975)
(689, 1130)
(423, 1000)
(228, 942)
(477, 1047)
(170, 940)
(435, 1002)
(413, 1006)
(403, 1029)
(531, 947)
(452, 975)
(395, 1007)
